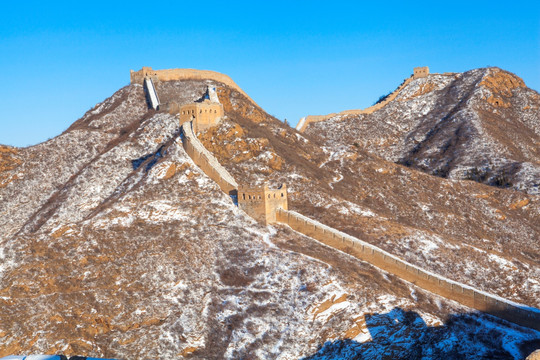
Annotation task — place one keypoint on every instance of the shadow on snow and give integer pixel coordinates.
(401, 334)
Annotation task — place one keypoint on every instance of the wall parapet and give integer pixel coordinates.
(305, 121)
(137, 77)
(464, 294)
(206, 161)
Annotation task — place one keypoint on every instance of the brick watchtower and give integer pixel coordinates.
(261, 203)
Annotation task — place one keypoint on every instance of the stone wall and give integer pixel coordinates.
(137, 77)
(304, 122)
(466, 295)
(206, 161)
(204, 114)
(261, 203)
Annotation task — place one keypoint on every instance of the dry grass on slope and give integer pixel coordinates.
(432, 222)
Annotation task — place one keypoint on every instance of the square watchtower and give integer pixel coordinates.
(261, 203)
(420, 72)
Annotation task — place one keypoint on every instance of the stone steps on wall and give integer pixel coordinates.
(206, 160)
(151, 93)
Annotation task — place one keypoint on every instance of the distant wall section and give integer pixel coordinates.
(418, 72)
(304, 122)
(466, 295)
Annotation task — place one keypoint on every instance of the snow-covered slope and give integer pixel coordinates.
(113, 243)
(480, 125)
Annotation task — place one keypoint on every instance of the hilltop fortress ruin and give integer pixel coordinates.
(270, 205)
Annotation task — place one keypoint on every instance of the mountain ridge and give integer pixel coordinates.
(167, 266)
(423, 130)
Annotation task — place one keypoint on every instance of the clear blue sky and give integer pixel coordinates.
(294, 58)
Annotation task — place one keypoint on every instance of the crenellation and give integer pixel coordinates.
(137, 77)
(261, 203)
(420, 72)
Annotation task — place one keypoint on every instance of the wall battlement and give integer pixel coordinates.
(418, 72)
(261, 203)
(466, 295)
(137, 77)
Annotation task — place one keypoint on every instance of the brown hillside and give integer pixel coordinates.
(115, 244)
(481, 125)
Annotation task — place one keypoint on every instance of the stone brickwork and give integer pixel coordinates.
(261, 203)
(137, 77)
(420, 72)
(466, 295)
(204, 114)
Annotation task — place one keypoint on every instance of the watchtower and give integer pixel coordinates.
(420, 72)
(204, 114)
(137, 77)
(261, 203)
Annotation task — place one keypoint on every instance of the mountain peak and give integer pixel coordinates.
(116, 243)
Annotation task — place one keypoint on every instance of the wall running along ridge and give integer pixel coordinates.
(184, 74)
(466, 295)
(206, 161)
(305, 121)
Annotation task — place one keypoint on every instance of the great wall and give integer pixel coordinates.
(453, 290)
(137, 77)
(269, 206)
(418, 72)
(206, 161)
